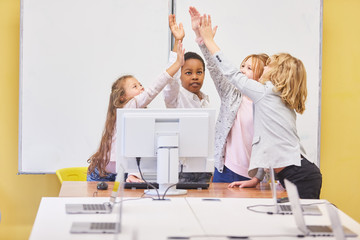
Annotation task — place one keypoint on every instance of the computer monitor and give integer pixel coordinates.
(165, 140)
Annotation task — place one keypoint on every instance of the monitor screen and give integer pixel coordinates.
(187, 134)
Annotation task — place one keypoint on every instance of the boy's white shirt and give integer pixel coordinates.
(175, 96)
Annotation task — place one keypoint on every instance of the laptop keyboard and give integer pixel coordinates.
(103, 225)
(317, 228)
(93, 207)
(286, 208)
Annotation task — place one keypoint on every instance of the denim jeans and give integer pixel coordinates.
(228, 176)
(94, 176)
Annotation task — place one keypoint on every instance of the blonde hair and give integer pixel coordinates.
(258, 62)
(288, 75)
(117, 99)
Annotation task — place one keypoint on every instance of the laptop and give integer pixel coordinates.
(105, 227)
(336, 225)
(91, 208)
(286, 208)
(315, 230)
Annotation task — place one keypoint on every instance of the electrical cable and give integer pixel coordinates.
(281, 213)
(163, 197)
(142, 177)
(260, 205)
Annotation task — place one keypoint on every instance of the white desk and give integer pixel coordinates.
(146, 219)
(230, 216)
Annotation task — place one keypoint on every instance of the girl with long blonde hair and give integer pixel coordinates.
(279, 94)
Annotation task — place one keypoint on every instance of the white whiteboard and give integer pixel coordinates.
(73, 50)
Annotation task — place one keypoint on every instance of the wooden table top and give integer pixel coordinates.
(215, 190)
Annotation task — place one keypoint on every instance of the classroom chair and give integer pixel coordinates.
(72, 174)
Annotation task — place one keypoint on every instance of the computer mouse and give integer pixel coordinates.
(102, 186)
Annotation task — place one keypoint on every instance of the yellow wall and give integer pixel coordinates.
(340, 158)
(19, 195)
(340, 108)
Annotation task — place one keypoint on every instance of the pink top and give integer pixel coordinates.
(140, 101)
(239, 140)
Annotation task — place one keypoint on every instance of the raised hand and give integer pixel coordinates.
(195, 20)
(180, 54)
(206, 30)
(179, 61)
(177, 30)
(207, 33)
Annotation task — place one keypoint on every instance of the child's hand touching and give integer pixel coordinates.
(245, 184)
(179, 61)
(177, 31)
(207, 33)
(205, 29)
(180, 54)
(195, 20)
(133, 178)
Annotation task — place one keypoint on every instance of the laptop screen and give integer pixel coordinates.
(273, 189)
(295, 206)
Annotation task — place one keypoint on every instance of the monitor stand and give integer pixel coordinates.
(167, 166)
